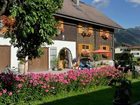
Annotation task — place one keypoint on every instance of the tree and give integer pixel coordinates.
(34, 24)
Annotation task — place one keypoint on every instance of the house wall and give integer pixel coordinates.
(70, 31)
(70, 39)
(118, 50)
(58, 44)
(136, 53)
(100, 41)
(71, 45)
(122, 50)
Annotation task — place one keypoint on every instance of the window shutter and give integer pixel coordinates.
(80, 48)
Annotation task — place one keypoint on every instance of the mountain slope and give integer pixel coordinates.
(129, 36)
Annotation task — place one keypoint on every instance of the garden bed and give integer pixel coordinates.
(28, 88)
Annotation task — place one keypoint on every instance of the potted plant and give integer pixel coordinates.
(122, 93)
(54, 63)
(21, 66)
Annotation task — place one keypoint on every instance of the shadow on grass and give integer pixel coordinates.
(135, 92)
(102, 97)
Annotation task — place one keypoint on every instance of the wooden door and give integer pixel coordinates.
(40, 64)
(5, 52)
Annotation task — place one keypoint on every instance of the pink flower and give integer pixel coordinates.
(0, 93)
(10, 93)
(46, 90)
(31, 81)
(43, 86)
(4, 91)
(19, 86)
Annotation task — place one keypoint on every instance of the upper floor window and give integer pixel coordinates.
(104, 47)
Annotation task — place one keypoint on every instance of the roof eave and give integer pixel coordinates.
(86, 21)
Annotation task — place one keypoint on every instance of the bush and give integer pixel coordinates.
(24, 88)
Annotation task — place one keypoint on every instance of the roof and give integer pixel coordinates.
(130, 47)
(85, 13)
(134, 47)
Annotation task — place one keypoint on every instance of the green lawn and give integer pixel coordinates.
(94, 96)
(136, 91)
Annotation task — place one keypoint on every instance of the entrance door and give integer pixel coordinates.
(5, 52)
(40, 64)
(65, 59)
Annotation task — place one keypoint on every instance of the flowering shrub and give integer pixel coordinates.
(16, 88)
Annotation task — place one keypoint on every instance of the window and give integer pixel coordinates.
(53, 53)
(104, 48)
(81, 47)
(135, 53)
(85, 46)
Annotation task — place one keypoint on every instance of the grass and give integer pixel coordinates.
(93, 96)
(98, 96)
(136, 91)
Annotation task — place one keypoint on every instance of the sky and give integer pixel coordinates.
(124, 12)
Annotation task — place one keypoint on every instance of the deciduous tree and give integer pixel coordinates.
(34, 24)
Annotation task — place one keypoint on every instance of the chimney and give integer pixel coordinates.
(77, 2)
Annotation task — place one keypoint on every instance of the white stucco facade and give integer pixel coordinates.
(58, 44)
(121, 50)
(136, 53)
(4, 41)
(65, 44)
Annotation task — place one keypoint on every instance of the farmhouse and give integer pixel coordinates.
(81, 27)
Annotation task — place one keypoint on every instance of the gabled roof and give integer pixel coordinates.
(85, 13)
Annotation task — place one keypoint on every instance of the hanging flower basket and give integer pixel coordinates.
(83, 34)
(6, 23)
(59, 31)
(3, 30)
(89, 34)
(86, 34)
(105, 36)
